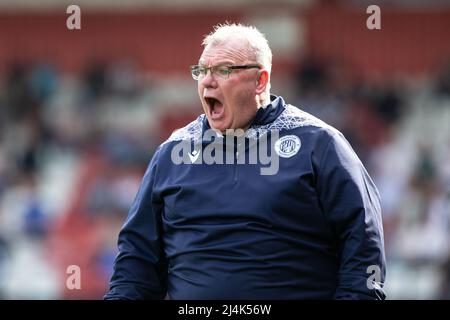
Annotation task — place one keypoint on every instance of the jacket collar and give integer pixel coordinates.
(268, 113)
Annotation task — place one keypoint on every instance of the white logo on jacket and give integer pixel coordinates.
(194, 155)
(287, 146)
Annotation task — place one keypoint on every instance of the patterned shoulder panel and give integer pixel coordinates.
(291, 118)
(192, 131)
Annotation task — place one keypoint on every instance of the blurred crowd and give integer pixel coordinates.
(73, 149)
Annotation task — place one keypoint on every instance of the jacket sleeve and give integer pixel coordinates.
(351, 204)
(140, 268)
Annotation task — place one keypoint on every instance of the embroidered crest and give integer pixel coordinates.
(287, 146)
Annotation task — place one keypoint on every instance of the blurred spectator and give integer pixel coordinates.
(95, 82)
(312, 77)
(19, 101)
(388, 105)
(124, 79)
(443, 81)
(43, 81)
(4, 256)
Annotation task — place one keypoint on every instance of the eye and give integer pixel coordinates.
(222, 70)
(198, 72)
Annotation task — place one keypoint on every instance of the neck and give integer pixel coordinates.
(262, 99)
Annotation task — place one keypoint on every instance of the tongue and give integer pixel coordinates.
(217, 110)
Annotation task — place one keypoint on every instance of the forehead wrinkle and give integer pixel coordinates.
(225, 53)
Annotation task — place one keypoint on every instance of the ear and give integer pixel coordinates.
(262, 81)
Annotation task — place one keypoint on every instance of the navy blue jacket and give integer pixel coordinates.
(313, 230)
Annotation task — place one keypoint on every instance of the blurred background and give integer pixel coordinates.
(82, 111)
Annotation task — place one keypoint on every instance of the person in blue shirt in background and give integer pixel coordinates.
(255, 199)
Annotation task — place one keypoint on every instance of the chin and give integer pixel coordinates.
(220, 128)
(218, 125)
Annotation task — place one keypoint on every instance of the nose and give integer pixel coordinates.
(208, 80)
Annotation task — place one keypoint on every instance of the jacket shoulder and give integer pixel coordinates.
(290, 119)
(192, 131)
(293, 117)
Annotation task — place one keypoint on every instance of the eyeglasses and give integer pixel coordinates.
(199, 72)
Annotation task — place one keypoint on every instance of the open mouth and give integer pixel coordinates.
(216, 108)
